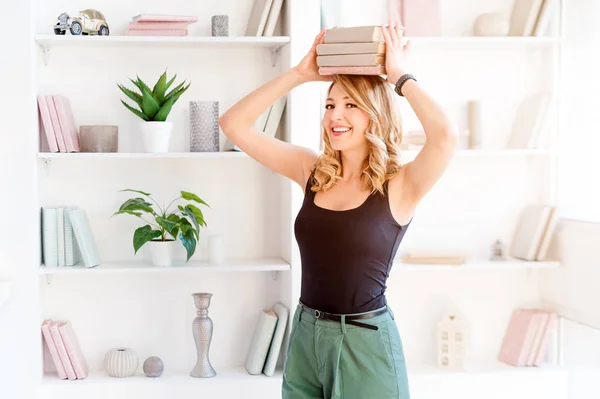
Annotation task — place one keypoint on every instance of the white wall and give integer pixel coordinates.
(19, 333)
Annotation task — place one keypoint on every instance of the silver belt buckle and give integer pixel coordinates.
(317, 314)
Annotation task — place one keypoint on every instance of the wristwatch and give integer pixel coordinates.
(401, 81)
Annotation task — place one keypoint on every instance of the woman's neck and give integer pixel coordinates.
(353, 163)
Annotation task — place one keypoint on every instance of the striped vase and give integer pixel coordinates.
(121, 362)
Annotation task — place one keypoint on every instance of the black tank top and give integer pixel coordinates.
(346, 255)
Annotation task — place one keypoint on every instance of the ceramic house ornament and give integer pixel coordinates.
(452, 341)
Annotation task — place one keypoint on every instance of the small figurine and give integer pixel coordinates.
(86, 22)
(498, 251)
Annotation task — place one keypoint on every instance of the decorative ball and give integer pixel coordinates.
(121, 362)
(491, 24)
(153, 367)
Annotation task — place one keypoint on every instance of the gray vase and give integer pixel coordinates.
(99, 138)
(204, 126)
(220, 25)
(202, 329)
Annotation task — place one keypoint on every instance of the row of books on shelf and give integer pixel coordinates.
(263, 17)
(64, 350)
(67, 238)
(531, 241)
(58, 132)
(267, 340)
(528, 337)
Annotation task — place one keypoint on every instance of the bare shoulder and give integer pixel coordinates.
(402, 203)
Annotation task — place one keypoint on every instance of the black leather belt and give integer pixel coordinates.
(350, 319)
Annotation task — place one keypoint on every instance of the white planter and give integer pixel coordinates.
(162, 252)
(121, 362)
(156, 135)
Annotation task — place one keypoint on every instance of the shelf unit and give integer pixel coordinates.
(267, 268)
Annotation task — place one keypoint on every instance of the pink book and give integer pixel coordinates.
(165, 18)
(56, 124)
(352, 70)
(69, 338)
(158, 25)
(67, 123)
(421, 17)
(46, 128)
(540, 320)
(53, 350)
(62, 351)
(517, 339)
(156, 32)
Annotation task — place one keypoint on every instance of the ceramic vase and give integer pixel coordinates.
(204, 126)
(156, 135)
(99, 138)
(220, 25)
(162, 252)
(121, 362)
(202, 329)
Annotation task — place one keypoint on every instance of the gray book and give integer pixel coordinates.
(350, 48)
(261, 341)
(351, 60)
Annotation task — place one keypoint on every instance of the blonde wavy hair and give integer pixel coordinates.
(374, 96)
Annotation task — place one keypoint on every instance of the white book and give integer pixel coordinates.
(529, 231)
(84, 237)
(274, 117)
(49, 237)
(529, 121)
(544, 16)
(548, 234)
(273, 354)
(273, 17)
(60, 234)
(523, 17)
(261, 340)
(71, 250)
(258, 17)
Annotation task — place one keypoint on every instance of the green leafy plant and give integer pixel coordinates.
(154, 104)
(185, 222)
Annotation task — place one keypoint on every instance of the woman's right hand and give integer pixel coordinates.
(308, 68)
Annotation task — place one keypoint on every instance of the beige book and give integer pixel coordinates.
(354, 34)
(351, 60)
(350, 48)
(529, 232)
(524, 17)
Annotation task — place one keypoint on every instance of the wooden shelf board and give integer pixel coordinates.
(244, 265)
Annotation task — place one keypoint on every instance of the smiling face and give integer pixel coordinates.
(345, 124)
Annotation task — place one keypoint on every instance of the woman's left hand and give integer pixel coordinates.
(395, 51)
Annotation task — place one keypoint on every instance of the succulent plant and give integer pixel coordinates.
(154, 104)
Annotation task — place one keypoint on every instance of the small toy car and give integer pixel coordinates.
(86, 22)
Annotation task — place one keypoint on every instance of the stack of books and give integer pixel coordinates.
(527, 337)
(160, 25)
(356, 50)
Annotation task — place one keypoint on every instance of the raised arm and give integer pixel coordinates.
(425, 170)
(284, 158)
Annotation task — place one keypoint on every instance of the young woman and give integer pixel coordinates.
(359, 201)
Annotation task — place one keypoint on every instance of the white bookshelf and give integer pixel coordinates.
(141, 267)
(255, 210)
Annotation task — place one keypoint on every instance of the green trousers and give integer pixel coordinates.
(336, 360)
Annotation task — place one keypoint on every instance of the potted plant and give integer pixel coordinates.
(183, 223)
(154, 107)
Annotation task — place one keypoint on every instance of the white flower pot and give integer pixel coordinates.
(162, 252)
(156, 135)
